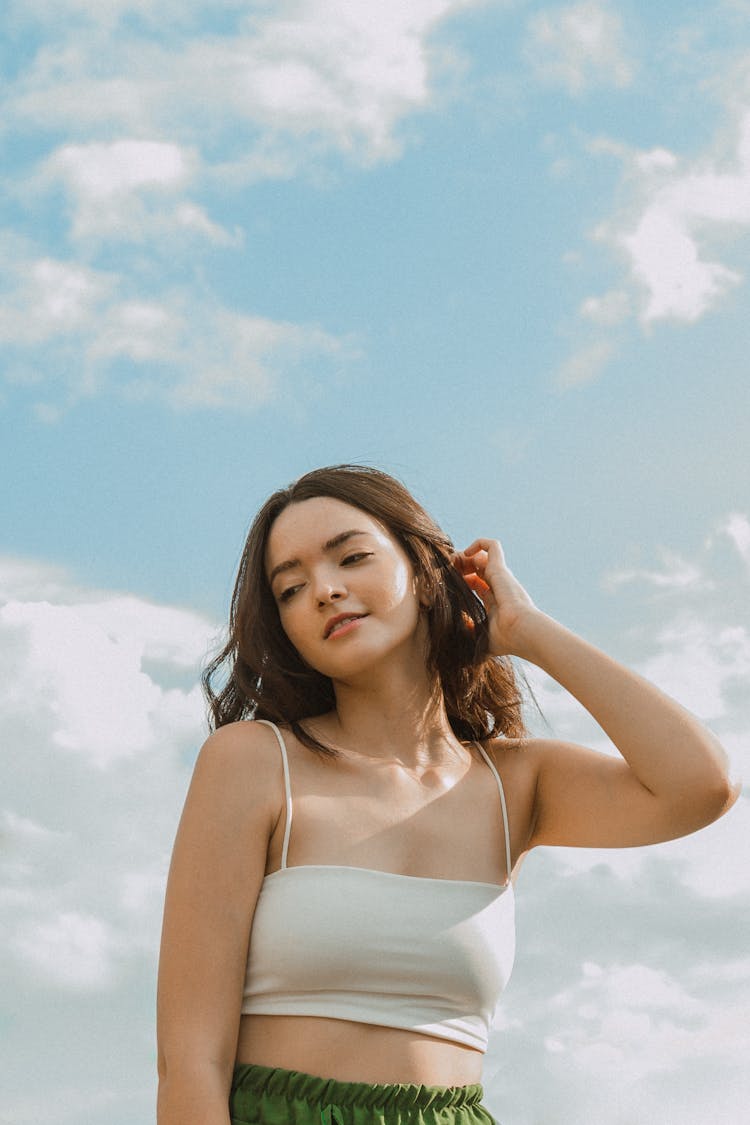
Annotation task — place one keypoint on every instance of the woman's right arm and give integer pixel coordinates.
(217, 868)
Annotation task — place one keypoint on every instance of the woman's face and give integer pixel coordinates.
(345, 588)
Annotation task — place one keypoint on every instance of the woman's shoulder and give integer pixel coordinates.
(234, 738)
(532, 760)
(504, 749)
(245, 753)
(517, 761)
(517, 757)
(528, 746)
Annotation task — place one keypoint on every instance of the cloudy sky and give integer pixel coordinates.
(499, 248)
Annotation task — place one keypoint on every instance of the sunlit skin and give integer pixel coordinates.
(367, 574)
(404, 796)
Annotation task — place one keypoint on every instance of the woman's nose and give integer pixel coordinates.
(329, 595)
(329, 591)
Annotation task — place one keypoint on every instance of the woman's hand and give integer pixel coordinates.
(673, 776)
(508, 606)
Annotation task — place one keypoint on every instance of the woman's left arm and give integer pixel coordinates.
(673, 776)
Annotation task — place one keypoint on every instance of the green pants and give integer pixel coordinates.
(265, 1095)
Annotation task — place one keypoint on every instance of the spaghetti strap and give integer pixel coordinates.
(287, 787)
(504, 806)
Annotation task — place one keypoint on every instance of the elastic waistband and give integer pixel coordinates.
(277, 1082)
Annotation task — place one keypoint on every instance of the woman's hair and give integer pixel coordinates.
(264, 677)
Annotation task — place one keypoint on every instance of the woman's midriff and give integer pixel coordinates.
(356, 1052)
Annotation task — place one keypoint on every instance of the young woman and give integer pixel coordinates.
(339, 914)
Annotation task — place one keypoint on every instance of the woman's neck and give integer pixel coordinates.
(402, 720)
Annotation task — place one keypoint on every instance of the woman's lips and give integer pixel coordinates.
(343, 624)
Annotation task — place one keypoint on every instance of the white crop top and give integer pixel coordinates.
(351, 943)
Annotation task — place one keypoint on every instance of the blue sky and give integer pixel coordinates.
(500, 249)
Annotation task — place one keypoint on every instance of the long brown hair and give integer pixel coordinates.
(265, 678)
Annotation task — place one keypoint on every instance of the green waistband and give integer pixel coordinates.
(292, 1084)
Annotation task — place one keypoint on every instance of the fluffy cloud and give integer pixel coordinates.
(129, 190)
(138, 155)
(679, 209)
(579, 46)
(79, 667)
(341, 76)
(98, 692)
(628, 1000)
(586, 364)
(693, 632)
(101, 719)
(676, 574)
(70, 331)
(634, 1027)
(49, 299)
(610, 309)
(101, 171)
(737, 527)
(86, 661)
(670, 233)
(72, 950)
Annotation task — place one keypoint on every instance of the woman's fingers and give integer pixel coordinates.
(483, 567)
(478, 556)
(477, 584)
(491, 548)
(472, 573)
(462, 564)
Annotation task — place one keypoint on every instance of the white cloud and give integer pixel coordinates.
(737, 528)
(586, 364)
(678, 211)
(699, 664)
(628, 986)
(72, 950)
(243, 358)
(340, 76)
(579, 46)
(655, 160)
(143, 148)
(50, 298)
(191, 217)
(74, 326)
(643, 1021)
(677, 574)
(666, 260)
(86, 662)
(101, 171)
(139, 330)
(610, 309)
(629, 999)
(102, 713)
(129, 190)
(26, 578)
(25, 829)
(101, 720)
(712, 863)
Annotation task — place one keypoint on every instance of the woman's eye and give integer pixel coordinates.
(285, 595)
(355, 557)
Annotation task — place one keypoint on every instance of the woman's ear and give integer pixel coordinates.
(423, 591)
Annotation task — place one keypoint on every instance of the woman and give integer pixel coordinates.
(339, 913)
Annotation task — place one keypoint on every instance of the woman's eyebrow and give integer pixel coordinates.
(329, 545)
